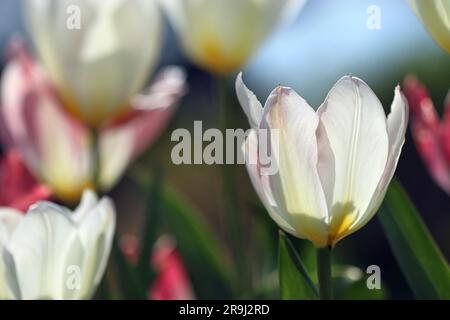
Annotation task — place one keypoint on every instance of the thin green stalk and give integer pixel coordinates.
(103, 292)
(129, 285)
(150, 228)
(324, 273)
(96, 160)
(234, 219)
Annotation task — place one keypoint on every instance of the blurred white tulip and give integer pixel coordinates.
(57, 148)
(334, 165)
(435, 15)
(100, 65)
(52, 253)
(220, 35)
(9, 219)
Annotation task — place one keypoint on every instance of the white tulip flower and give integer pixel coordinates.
(220, 35)
(435, 15)
(97, 53)
(52, 253)
(334, 164)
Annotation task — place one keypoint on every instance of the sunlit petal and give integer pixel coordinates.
(355, 125)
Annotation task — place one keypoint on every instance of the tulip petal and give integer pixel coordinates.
(54, 146)
(44, 245)
(19, 188)
(397, 123)
(102, 27)
(355, 125)
(64, 149)
(51, 253)
(88, 202)
(96, 224)
(130, 136)
(261, 184)
(99, 66)
(221, 35)
(445, 131)
(172, 281)
(9, 219)
(250, 104)
(96, 231)
(429, 136)
(291, 10)
(296, 186)
(435, 16)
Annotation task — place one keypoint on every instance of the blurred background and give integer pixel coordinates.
(328, 39)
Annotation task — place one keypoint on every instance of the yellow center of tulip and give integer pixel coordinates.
(98, 114)
(340, 223)
(216, 60)
(70, 194)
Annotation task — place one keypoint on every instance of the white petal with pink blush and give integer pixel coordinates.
(57, 147)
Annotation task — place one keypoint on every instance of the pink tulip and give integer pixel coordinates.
(19, 189)
(57, 147)
(172, 281)
(431, 135)
(130, 247)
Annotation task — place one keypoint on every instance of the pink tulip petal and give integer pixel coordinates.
(54, 145)
(172, 282)
(261, 184)
(445, 130)
(57, 147)
(128, 137)
(19, 188)
(427, 132)
(129, 244)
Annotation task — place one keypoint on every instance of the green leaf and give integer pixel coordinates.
(295, 282)
(265, 254)
(420, 259)
(202, 253)
(199, 247)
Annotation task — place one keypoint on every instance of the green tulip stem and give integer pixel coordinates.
(324, 273)
(96, 161)
(232, 215)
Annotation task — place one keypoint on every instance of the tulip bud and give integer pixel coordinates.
(434, 14)
(172, 281)
(334, 165)
(99, 65)
(220, 35)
